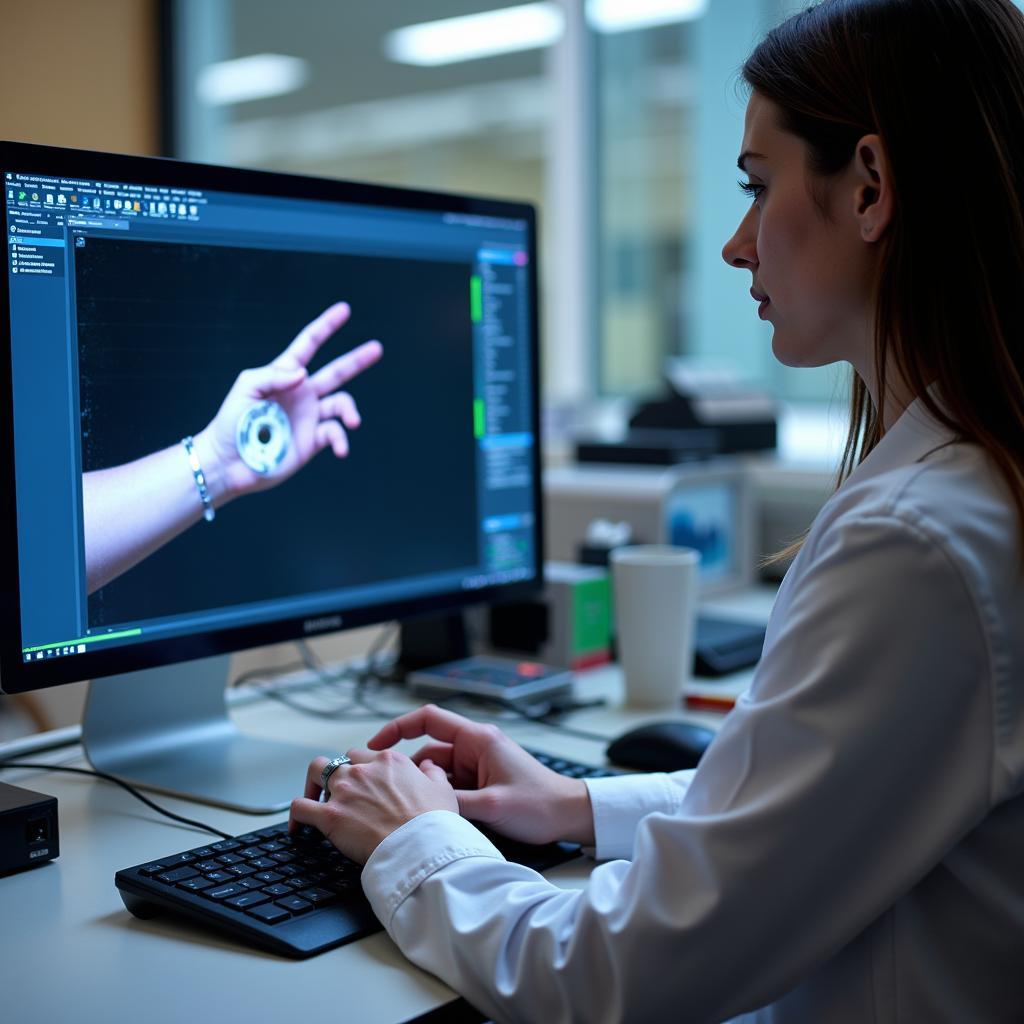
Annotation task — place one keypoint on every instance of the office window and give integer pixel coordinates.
(348, 110)
(645, 84)
(652, 164)
(670, 123)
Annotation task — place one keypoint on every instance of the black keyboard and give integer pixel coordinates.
(292, 895)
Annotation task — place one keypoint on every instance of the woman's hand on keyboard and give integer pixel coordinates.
(496, 782)
(369, 799)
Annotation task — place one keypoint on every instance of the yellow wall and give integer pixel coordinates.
(81, 73)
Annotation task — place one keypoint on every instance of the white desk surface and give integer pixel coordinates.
(69, 951)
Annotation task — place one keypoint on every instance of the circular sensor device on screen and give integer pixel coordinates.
(263, 437)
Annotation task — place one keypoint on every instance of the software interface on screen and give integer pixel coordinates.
(133, 310)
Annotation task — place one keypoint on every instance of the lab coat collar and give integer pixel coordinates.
(910, 439)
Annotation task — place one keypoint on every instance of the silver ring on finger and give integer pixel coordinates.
(328, 770)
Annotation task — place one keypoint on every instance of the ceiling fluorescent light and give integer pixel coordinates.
(509, 30)
(250, 78)
(626, 15)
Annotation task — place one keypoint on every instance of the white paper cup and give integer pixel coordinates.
(655, 617)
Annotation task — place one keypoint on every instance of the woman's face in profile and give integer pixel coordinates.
(811, 272)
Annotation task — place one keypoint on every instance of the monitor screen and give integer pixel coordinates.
(137, 293)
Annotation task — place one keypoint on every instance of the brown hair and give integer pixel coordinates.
(942, 83)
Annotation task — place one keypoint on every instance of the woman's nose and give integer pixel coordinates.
(741, 250)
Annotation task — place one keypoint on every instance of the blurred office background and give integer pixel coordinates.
(620, 119)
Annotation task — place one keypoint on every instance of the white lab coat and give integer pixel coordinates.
(851, 848)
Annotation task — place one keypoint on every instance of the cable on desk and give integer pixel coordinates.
(264, 673)
(359, 677)
(124, 785)
(544, 717)
(324, 678)
(371, 672)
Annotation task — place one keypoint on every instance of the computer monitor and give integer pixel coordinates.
(137, 290)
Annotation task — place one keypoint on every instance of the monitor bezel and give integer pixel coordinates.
(17, 676)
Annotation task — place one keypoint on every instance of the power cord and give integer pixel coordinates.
(124, 785)
(363, 678)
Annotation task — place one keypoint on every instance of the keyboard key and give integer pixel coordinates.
(247, 899)
(240, 870)
(317, 896)
(249, 852)
(204, 852)
(230, 858)
(343, 888)
(287, 869)
(263, 863)
(177, 875)
(296, 904)
(225, 846)
(271, 846)
(219, 876)
(180, 858)
(249, 839)
(269, 833)
(283, 857)
(207, 865)
(195, 884)
(154, 868)
(268, 877)
(298, 882)
(270, 913)
(250, 883)
(223, 892)
(277, 890)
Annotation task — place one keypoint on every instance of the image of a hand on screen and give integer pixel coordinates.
(273, 421)
(277, 417)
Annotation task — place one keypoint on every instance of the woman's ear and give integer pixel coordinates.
(873, 196)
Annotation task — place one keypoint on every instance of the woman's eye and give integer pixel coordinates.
(752, 189)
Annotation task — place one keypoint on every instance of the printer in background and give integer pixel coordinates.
(702, 415)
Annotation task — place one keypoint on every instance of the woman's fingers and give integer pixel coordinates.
(360, 755)
(429, 720)
(340, 406)
(341, 370)
(433, 771)
(331, 434)
(308, 812)
(313, 772)
(267, 381)
(314, 334)
(440, 753)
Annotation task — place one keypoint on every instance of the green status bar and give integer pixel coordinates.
(78, 646)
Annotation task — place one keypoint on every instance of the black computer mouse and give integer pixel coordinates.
(661, 746)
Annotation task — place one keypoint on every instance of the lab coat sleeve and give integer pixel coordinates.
(620, 803)
(854, 762)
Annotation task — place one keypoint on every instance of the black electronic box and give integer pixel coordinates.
(28, 828)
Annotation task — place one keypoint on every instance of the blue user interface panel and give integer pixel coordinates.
(133, 310)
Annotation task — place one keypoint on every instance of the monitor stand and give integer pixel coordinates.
(167, 729)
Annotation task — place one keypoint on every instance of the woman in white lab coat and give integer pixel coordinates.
(851, 847)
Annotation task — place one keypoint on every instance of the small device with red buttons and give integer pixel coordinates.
(496, 678)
